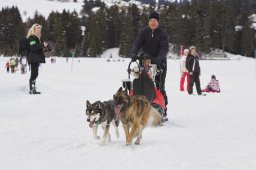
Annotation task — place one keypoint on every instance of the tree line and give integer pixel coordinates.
(207, 24)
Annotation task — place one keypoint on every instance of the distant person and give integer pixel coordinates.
(12, 64)
(183, 71)
(7, 66)
(23, 65)
(36, 54)
(193, 67)
(16, 63)
(213, 86)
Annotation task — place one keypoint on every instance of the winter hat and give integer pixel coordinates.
(154, 15)
(192, 47)
(213, 77)
(186, 51)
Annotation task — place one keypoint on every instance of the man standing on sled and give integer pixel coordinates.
(154, 41)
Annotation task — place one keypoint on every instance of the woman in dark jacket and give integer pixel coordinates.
(193, 67)
(36, 54)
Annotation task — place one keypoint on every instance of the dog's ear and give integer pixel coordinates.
(88, 103)
(126, 91)
(98, 104)
(120, 89)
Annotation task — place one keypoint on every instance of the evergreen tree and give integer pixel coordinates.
(143, 19)
(201, 38)
(204, 23)
(247, 37)
(85, 38)
(73, 31)
(229, 32)
(98, 35)
(11, 30)
(135, 15)
(247, 46)
(127, 35)
(114, 26)
(57, 34)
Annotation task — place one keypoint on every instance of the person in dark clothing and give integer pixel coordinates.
(193, 67)
(36, 54)
(154, 41)
(7, 67)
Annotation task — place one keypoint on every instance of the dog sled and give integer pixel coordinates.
(144, 82)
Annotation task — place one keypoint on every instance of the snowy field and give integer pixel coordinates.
(50, 132)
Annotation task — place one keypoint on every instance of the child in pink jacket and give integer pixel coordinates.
(213, 86)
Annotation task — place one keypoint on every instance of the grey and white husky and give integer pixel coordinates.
(102, 113)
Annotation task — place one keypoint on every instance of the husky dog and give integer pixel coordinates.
(134, 113)
(102, 113)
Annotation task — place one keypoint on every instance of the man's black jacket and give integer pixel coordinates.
(155, 43)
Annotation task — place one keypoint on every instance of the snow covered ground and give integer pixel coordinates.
(49, 131)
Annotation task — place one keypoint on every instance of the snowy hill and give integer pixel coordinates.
(45, 7)
(49, 131)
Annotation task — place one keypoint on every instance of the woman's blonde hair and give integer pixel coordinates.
(31, 31)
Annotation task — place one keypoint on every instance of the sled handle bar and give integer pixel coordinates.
(129, 70)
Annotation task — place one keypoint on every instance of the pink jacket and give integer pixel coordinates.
(214, 85)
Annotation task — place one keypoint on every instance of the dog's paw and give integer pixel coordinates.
(137, 143)
(129, 141)
(109, 139)
(102, 143)
(97, 137)
(127, 144)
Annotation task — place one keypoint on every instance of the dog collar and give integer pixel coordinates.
(97, 122)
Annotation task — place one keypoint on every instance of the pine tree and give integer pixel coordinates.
(183, 24)
(247, 46)
(201, 38)
(143, 19)
(229, 32)
(57, 34)
(114, 27)
(169, 23)
(98, 35)
(11, 30)
(85, 38)
(247, 37)
(73, 31)
(135, 15)
(127, 35)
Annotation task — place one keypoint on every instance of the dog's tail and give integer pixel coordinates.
(155, 116)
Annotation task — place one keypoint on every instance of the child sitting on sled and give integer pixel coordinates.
(213, 86)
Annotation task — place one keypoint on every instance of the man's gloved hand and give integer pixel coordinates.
(157, 61)
(134, 58)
